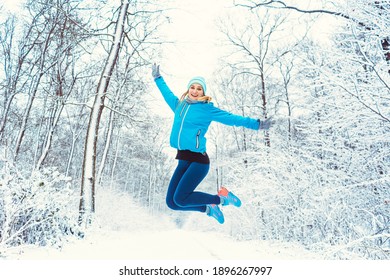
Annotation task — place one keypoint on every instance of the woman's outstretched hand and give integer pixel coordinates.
(156, 71)
(266, 124)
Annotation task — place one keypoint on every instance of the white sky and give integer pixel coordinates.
(194, 51)
(10, 5)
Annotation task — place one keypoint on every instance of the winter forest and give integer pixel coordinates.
(80, 115)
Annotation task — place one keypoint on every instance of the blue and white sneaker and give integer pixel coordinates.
(214, 211)
(228, 198)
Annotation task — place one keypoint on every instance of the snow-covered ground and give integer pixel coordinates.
(166, 244)
(126, 236)
(123, 230)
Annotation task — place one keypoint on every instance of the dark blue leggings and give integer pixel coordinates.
(185, 179)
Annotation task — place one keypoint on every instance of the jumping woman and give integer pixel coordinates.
(193, 114)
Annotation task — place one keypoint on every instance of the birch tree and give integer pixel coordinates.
(87, 200)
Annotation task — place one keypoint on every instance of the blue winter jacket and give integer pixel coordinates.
(192, 120)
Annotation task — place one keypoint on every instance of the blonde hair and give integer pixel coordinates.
(203, 98)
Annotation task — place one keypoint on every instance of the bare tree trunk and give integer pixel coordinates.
(286, 81)
(56, 114)
(49, 135)
(267, 139)
(26, 115)
(106, 146)
(115, 160)
(87, 200)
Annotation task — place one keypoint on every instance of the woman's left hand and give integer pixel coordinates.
(266, 124)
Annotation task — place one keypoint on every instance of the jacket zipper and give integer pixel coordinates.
(181, 126)
(183, 108)
(197, 139)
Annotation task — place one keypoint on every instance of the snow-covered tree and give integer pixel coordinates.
(331, 184)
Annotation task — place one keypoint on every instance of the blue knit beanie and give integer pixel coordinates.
(198, 80)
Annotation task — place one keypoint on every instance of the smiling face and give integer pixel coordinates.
(195, 91)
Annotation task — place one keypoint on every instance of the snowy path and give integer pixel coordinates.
(165, 245)
(128, 233)
(125, 231)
